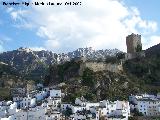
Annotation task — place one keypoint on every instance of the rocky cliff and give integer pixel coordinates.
(34, 64)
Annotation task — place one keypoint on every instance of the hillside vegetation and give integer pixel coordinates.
(139, 75)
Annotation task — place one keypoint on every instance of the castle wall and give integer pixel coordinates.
(129, 56)
(100, 66)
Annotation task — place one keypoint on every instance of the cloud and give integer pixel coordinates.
(151, 41)
(20, 18)
(50, 44)
(136, 24)
(17, 15)
(3, 39)
(37, 48)
(100, 24)
(1, 48)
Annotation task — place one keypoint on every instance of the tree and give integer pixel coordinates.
(111, 59)
(90, 96)
(137, 113)
(139, 48)
(68, 112)
(47, 80)
(120, 55)
(88, 78)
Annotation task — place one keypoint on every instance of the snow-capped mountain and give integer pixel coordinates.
(27, 61)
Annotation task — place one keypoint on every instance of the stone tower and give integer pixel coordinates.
(133, 43)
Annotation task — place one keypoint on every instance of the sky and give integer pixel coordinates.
(100, 24)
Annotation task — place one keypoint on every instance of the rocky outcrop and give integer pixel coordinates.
(33, 64)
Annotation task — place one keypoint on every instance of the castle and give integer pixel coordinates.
(133, 42)
(134, 46)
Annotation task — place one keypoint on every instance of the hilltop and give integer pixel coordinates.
(34, 64)
(95, 74)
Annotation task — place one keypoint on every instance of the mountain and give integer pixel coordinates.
(153, 51)
(77, 78)
(34, 64)
(138, 75)
(91, 54)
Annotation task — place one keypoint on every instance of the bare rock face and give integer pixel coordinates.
(33, 64)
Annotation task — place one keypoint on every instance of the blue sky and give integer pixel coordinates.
(148, 9)
(99, 24)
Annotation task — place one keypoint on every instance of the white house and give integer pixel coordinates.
(3, 111)
(54, 102)
(17, 98)
(32, 114)
(78, 116)
(41, 95)
(65, 106)
(54, 116)
(55, 93)
(95, 112)
(27, 102)
(12, 109)
(88, 105)
(114, 109)
(81, 101)
(149, 107)
(133, 98)
(146, 104)
(77, 108)
(33, 102)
